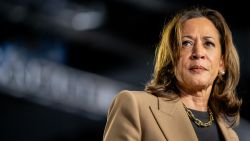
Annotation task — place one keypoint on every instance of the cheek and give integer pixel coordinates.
(215, 63)
(181, 66)
(183, 61)
(214, 57)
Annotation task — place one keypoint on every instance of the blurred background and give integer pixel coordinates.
(62, 61)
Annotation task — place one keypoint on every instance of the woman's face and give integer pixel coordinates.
(200, 57)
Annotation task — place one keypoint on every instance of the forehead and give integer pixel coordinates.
(199, 25)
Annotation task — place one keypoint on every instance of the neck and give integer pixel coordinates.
(196, 100)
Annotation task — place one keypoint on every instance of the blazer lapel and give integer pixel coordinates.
(224, 129)
(173, 121)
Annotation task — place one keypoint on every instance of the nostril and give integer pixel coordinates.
(194, 56)
(197, 56)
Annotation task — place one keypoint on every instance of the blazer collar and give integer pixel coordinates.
(174, 123)
(173, 120)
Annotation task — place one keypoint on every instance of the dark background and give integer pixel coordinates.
(88, 51)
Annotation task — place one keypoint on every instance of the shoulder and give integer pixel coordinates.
(143, 98)
(135, 94)
(135, 97)
(127, 99)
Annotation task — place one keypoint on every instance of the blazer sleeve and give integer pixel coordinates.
(123, 121)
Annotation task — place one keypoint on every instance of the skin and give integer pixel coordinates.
(199, 63)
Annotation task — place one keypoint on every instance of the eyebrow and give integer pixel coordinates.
(189, 36)
(209, 37)
(205, 37)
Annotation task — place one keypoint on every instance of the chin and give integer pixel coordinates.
(198, 83)
(199, 86)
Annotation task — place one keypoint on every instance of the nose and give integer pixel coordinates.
(198, 51)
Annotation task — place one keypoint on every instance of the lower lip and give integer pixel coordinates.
(197, 70)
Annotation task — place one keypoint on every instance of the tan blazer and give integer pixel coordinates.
(139, 116)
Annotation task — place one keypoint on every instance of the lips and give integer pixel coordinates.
(197, 68)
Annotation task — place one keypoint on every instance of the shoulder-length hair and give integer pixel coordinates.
(223, 99)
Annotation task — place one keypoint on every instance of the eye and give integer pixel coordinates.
(209, 44)
(187, 43)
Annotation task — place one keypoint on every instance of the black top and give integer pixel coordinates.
(211, 133)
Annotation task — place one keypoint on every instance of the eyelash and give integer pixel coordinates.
(184, 43)
(207, 44)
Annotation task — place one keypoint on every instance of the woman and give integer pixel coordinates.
(192, 95)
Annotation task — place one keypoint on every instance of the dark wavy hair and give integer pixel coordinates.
(223, 99)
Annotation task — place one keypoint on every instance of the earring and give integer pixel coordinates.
(222, 72)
